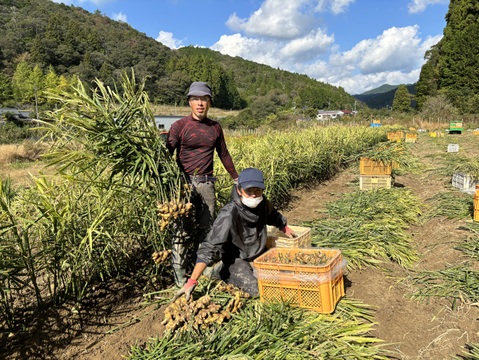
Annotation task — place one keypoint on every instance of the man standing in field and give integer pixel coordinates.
(195, 139)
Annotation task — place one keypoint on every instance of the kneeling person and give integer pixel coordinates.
(238, 235)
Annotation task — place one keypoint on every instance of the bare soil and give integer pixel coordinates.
(117, 317)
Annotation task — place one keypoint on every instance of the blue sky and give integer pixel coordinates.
(356, 44)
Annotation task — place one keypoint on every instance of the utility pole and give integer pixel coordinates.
(36, 99)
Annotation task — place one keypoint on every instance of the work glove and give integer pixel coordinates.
(187, 289)
(288, 231)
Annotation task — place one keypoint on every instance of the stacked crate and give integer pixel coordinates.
(411, 137)
(374, 174)
(395, 136)
(476, 204)
(455, 127)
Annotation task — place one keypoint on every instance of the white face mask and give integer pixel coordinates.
(251, 202)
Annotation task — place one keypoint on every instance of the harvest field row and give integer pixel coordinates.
(96, 219)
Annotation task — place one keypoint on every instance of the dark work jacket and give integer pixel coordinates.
(239, 232)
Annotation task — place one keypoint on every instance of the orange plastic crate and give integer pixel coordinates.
(395, 136)
(476, 204)
(317, 288)
(410, 137)
(371, 167)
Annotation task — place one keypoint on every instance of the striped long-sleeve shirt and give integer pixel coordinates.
(195, 143)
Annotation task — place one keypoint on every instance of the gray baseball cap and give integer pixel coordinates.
(199, 88)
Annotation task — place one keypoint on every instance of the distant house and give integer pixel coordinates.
(163, 122)
(17, 114)
(328, 114)
(349, 112)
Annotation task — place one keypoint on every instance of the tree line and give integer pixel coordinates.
(44, 45)
(40, 36)
(451, 71)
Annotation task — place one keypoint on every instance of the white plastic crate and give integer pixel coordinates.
(453, 148)
(370, 182)
(463, 181)
(277, 238)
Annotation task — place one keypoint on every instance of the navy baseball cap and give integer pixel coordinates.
(199, 88)
(251, 177)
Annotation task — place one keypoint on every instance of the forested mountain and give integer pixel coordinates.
(452, 67)
(383, 96)
(257, 80)
(56, 39)
(380, 90)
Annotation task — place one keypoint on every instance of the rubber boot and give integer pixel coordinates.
(180, 276)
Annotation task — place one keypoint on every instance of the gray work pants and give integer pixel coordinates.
(240, 273)
(188, 232)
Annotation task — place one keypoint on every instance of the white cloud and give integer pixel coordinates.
(355, 84)
(290, 35)
(166, 38)
(283, 54)
(429, 42)
(120, 17)
(260, 51)
(334, 6)
(394, 57)
(277, 19)
(394, 49)
(416, 6)
(280, 34)
(96, 2)
(339, 6)
(308, 47)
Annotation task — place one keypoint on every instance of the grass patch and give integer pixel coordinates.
(273, 331)
(27, 151)
(450, 204)
(369, 227)
(213, 113)
(459, 282)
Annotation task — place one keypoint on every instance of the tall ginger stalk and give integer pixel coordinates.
(100, 210)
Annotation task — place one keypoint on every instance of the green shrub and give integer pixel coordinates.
(10, 133)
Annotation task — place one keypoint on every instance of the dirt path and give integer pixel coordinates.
(417, 329)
